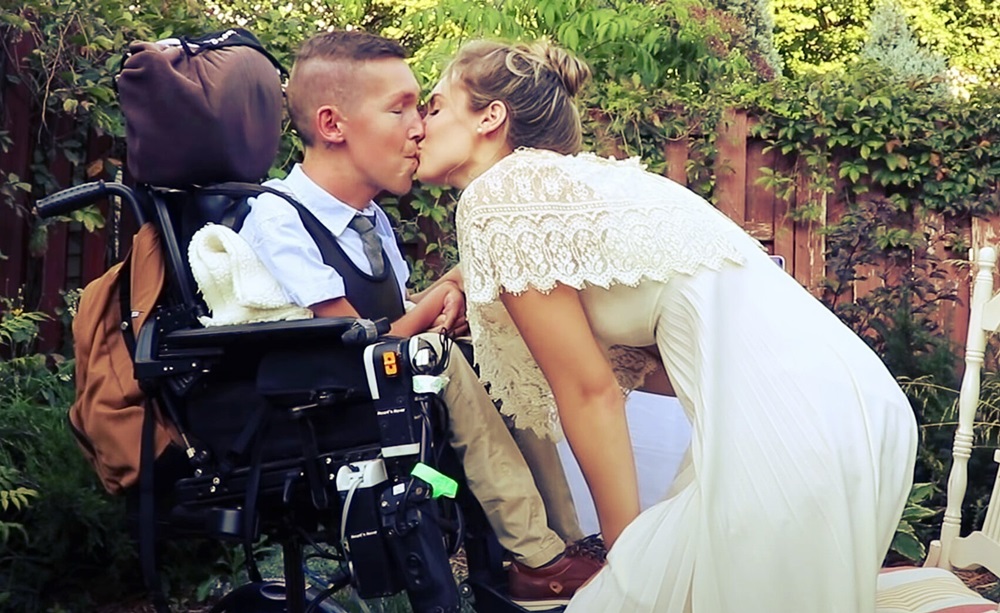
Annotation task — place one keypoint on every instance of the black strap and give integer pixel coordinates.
(147, 455)
(250, 501)
(147, 512)
(228, 38)
(252, 429)
(373, 297)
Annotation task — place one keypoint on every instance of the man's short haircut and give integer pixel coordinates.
(321, 73)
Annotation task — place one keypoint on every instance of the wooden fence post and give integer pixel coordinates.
(16, 121)
(810, 248)
(731, 166)
(675, 153)
(760, 200)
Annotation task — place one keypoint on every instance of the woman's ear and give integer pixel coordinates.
(492, 118)
(329, 124)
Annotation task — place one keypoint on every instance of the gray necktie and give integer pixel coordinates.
(373, 244)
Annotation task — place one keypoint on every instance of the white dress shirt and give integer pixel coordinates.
(279, 239)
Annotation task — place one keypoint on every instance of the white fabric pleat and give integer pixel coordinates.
(801, 455)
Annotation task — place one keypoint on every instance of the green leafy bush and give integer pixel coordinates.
(892, 45)
(72, 532)
(65, 540)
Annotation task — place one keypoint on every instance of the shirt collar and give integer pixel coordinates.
(334, 213)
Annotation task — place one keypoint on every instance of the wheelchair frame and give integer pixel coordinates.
(295, 499)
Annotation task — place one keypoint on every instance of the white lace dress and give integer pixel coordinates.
(802, 445)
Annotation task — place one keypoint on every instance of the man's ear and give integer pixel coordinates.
(329, 124)
(492, 118)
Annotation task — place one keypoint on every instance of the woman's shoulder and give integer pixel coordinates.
(533, 176)
(525, 161)
(535, 160)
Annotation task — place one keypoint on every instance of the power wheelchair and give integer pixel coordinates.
(307, 432)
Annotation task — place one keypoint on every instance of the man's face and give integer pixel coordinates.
(383, 126)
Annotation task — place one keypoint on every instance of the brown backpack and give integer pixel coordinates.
(108, 413)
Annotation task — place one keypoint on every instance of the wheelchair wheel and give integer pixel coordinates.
(269, 597)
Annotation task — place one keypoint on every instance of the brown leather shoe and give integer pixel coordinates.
(552, 585)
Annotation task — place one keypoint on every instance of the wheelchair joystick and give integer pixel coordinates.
(364, 331)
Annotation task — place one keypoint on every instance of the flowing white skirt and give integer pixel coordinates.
(801, 457)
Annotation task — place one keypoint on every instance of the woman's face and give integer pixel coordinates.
(450, 136)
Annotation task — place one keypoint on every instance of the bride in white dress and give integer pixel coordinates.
(584, 275)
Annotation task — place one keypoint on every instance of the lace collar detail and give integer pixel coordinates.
(538, 218)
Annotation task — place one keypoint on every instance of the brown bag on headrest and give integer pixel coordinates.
(201, 111)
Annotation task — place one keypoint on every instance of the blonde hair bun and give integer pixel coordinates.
(571, 70)
(537, 82)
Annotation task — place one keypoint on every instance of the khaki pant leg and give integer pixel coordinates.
(543, 459)
(494, 468)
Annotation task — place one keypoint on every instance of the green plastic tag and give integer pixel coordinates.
(441, 485)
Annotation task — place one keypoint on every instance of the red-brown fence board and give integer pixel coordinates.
(731, 166)
(16, 118)
(675, 154)
(760, 205)
(956, 315)
(53, 269)
(809, 266)
(784, 228)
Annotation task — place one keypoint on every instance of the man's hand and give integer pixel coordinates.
(452, 316)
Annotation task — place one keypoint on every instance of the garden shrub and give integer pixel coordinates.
(892, 45)
(68, 547)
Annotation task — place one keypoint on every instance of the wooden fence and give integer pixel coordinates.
(71, 257)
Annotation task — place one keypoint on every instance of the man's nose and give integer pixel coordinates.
(418, 130)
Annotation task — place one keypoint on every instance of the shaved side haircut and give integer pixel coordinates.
(325, 72)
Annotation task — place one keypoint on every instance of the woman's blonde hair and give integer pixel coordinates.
(538, 83)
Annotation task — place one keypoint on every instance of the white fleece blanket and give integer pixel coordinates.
(237, 288)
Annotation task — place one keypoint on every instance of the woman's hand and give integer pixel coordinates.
(452, 316)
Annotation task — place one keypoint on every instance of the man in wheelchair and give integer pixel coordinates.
(354, 103)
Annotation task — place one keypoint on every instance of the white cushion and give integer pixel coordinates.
(927, 590)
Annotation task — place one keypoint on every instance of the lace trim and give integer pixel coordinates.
(538, 218)
(515, 379)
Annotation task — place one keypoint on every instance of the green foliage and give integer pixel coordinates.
(64, 540)
(70, 530)
(891, 44)
(906, 542)
(897, 318)
(13, 498)
(826, 35)
(818, 35)
(758, 19)
(879, 133)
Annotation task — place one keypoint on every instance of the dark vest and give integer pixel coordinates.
(371, 296)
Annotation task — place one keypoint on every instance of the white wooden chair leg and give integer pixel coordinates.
(968, 401)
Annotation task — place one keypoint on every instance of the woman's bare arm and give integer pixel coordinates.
(591, 404)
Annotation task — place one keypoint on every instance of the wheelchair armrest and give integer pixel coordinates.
(271, 333)
(159, 354)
